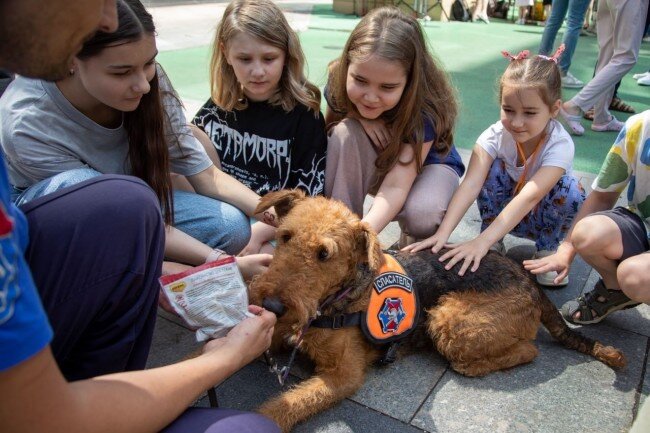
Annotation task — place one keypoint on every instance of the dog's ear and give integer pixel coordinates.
(283, 201)
(368, 246)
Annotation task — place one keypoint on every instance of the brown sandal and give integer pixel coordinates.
(589, 114)
(618, 105)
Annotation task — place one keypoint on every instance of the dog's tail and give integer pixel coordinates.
(553, 321)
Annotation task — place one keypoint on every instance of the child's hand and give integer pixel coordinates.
(377, 131)
(559, 262)
(470, 253)
(261, 233)
(254, 264)
(436, 242)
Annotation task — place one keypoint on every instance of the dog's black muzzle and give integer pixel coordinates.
(274, 305)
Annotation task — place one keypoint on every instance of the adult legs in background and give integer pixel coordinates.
(619, 29)
(553, 24)
(95, 252)
(480, 11)
(575, 18)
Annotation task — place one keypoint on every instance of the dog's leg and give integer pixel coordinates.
(484, 332)
(340, 371)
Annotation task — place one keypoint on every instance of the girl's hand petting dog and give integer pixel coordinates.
(559, 262)
(436, 242)
(470, 253)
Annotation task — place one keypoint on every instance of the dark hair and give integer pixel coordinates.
(145, 126)
(392, 35)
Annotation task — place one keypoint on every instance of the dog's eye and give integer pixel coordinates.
(323, 254)
(284, 237)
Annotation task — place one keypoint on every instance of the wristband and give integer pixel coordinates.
(215, 255)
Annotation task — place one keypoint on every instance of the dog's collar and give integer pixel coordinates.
(283, 372)
(393, 308)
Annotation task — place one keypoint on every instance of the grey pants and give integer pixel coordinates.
(350, 173)
(620, 28)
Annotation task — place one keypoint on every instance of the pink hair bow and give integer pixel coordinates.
(555, 57)
(521, 56)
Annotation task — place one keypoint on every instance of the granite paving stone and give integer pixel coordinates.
(560, 391)
(171, 343)
(399, 389)
(350, 417)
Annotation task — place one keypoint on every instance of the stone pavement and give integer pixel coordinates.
(561, 391)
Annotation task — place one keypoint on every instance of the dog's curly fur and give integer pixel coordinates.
(482, 322)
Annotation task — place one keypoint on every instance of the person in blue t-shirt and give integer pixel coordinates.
(94, 251)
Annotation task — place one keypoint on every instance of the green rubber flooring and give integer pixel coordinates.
(470, 53)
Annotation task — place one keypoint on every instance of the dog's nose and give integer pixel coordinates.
(274, 305)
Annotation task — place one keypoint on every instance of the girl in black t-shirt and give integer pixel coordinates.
(263, 122)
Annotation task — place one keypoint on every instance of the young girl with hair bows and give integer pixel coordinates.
(519, 171)
(263, 120)
(395, 139)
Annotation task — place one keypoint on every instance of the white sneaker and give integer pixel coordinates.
(641, 75)
(644, 81)
(520, 21)
(571, 82)
(546, 279)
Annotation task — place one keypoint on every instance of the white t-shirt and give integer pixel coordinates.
(557, 150)
(42, 134)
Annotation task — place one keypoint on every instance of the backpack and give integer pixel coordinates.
(498, 9)
(459, 11)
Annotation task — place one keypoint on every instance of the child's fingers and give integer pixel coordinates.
(417, 246)
(477, 263)
(453, 259)
(561, 276)
(463, 268)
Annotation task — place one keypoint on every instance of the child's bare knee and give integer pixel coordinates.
(632, 275)
(583, 236)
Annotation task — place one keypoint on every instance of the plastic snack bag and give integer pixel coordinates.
(210, 298)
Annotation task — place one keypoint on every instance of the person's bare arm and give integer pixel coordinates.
(35, 397)
(561, 261)
(394, 189)
(214, 183)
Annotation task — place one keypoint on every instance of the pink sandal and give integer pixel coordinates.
(613, 125)
(572, 121)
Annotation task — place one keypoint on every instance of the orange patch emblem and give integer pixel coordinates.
(393, 308)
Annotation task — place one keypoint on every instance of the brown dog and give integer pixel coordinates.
(482, 322)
